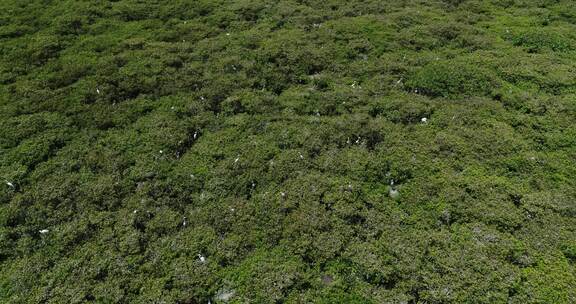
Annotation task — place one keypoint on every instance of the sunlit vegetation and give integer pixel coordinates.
(289, 151)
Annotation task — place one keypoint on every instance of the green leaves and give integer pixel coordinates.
(453, 79)
(287, 152)
(539, 40)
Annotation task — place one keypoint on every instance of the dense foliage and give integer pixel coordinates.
(290, 151)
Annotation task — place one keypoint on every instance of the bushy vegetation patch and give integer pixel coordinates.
(287, 151)
(538, 40)
(452, 79)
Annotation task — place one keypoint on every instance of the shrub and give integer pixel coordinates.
(540, 40)
(452, 79)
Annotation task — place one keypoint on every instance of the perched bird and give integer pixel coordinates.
(393, 193)
(43, 231)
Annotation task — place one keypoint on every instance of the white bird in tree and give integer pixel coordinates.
(11, 185)
(43, 231)
(393, 192)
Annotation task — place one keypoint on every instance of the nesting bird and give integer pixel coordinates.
(393, 192)
(44, 231)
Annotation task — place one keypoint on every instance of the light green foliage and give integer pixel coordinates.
(538, 40)
(549, 281)
(255, 151)
(453, 78)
